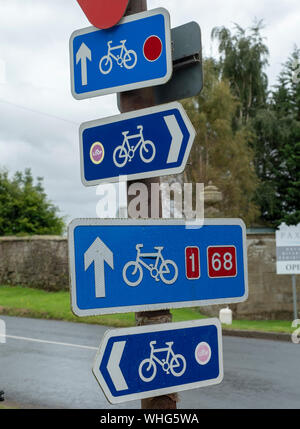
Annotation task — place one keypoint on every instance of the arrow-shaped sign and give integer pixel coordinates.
(83, 54)
(98, 253)
(142, 144)
(147, 361)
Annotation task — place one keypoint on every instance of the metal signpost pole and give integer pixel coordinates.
(130, 101)
(295, 296)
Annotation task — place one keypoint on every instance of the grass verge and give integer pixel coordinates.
(25, 302)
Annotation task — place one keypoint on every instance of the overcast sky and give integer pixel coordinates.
(39, 119)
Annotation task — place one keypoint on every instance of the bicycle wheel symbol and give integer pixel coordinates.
(132, 273)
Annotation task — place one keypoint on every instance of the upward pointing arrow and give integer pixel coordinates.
(99, 253)
(82, 55)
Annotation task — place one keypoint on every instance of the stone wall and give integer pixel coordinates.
(38, 262)
(42, 262)
(270, 295)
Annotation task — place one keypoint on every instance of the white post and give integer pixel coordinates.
(295, 297)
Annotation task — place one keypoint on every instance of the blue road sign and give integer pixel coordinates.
(146, 143)
(118, 266)
(136, 53)
(143, 362)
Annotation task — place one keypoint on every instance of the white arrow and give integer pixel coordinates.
(177, 138)
(82, 55)
(113, 366)
(99, 253)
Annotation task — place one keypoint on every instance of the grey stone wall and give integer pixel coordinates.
(42, 262)
(38, 262)
(270, 295)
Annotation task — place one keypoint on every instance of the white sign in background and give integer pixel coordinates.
(288, 249)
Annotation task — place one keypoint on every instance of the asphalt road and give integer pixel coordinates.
(44, 374)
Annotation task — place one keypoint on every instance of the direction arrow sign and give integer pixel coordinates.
(143, 362)
(119, 266)
(146, 143)
(136, 53)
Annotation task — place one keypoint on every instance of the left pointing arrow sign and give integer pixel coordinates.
(148, 361)
(83, 54)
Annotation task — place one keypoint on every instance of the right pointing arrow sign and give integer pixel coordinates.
(177, 138)
(146, 143)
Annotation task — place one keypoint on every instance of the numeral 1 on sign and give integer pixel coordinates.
(192, 263)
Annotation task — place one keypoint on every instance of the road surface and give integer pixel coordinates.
(55, 371)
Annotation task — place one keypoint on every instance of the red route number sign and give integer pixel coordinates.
(104, 14)
(221, 261)
(192, 263)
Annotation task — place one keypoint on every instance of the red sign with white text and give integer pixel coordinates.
(192, 263)
(221, 261)
(104, 14)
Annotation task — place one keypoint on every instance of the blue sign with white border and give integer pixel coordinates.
(136, 53)
(142, 144)
(119, 266)
(143, 362)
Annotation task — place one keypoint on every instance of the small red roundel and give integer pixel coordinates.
(153, 48)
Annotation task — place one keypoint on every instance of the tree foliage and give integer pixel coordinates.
(272, 118)
(277, 147)
(24, 208)
(244, 55)
(220, 154)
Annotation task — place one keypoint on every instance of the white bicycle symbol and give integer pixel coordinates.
(133, 270)
(126, 58)
(125, 152)
(175, 363)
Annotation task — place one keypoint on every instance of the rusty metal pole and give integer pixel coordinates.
(129, 101)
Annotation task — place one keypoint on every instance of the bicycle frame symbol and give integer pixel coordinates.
(125, 153)
(165, 270)
(174, 363)
(126, 58)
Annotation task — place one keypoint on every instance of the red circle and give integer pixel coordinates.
(153, 48)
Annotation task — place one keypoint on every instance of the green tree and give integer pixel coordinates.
(277, 147)
(24, 208)
(272, 118)
(243, 58)
(220, 154)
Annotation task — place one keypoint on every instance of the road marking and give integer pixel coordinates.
(50, 342)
